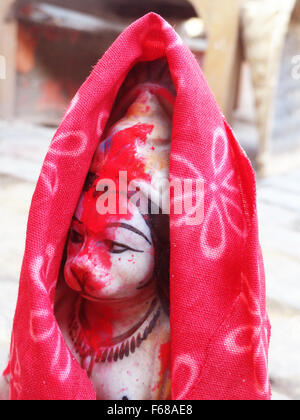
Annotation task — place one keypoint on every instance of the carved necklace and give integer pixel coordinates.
(120, 347)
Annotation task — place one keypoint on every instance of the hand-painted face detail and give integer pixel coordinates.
(113, 262)
(112, 256)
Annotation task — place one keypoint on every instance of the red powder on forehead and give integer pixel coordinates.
(122, 156)
(93, 221)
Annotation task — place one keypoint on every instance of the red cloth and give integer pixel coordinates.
(220, 329)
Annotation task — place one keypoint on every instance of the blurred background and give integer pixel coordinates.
(249, 51)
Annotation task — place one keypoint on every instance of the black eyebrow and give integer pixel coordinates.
(131, 228)
(122, 225)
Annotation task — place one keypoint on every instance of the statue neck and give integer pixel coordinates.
(104, 320)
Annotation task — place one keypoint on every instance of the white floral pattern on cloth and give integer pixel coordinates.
(223, 193)
(69, 144)
(43, 325)
(49, 182)
(101, 121)
(182, 363)
(183, 219)
(50, 178)
(254, 336)
(73, 104)
(15, 374)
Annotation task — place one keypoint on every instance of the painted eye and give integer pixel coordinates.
(116, 248)
(75, 237)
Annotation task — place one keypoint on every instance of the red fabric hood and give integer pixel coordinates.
(219, 325)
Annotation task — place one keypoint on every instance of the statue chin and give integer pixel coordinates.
(106, 297)
(101, 298)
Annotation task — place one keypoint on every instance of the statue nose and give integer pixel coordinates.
(80, 276)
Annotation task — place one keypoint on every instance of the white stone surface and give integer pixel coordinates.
(8, 297)
(284, 352)
(15, 198)
(279, 216)
(23, 148)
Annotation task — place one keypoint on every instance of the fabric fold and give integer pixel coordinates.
(219, 325)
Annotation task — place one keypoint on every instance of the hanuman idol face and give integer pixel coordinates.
(118, 248)
(112, 246)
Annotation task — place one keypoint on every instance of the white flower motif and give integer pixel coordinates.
(257, 333)
(72, 143)
(219, 134)
(218, 250)
(225, 208)
(101, 121)
(187, 216)
(224, 196)
(42, 325)
(58, 360)
(50, 178)
(15, 374)
(73, 104)
(183, 362)
(37, 323)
